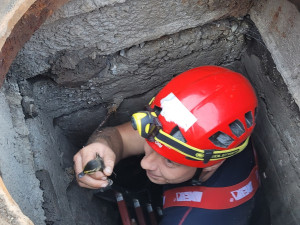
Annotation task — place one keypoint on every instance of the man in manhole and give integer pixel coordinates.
(195, 137)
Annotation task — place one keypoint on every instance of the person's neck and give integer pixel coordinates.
(209, 171)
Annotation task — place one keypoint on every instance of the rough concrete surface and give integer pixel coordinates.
(83, 85)
(98, 58)
(276, 136)
(77, 7)
(95, 57)
(133, 71)
(49, 147)
(34, 149)
(16, 161)
(109, 29)
(279, 24)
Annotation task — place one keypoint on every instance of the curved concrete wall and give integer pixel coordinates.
(278, 85)
(276, 20)
(19, 19)
(10, 212)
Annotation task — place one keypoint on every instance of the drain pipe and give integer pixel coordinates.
(159, 212)
(151, 214)
(139, 212)
(122, 209)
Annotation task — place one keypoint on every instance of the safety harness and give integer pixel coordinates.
(214, 197)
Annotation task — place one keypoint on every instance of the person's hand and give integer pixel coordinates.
(97, 179)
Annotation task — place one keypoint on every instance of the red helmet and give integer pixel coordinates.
(204, 115)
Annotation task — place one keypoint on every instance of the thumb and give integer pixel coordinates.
(109, 159)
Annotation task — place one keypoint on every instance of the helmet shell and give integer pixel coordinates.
(216, 97)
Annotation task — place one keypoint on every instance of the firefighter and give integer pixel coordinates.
(195, 135)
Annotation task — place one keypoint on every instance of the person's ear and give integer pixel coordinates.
(213, 167)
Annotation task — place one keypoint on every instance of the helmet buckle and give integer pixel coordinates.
(207, 155)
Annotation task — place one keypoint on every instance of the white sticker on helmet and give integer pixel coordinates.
(174, 111)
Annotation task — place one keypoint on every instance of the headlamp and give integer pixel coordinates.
(146, 123)
(149, 127)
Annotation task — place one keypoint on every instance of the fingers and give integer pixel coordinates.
(98, 179)
(109, 163)
(78, 168)
(89, 182)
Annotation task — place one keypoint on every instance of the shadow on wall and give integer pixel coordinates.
(296, 3)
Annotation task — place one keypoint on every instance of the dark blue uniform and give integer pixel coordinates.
(233, 171)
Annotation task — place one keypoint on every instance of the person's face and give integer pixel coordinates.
(161, 170)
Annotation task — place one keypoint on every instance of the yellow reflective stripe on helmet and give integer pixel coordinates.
(177, 150)
(151, 101)
(195, 153)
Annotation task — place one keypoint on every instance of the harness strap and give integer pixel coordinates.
(214, 197)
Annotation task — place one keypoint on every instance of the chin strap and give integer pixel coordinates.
(195, 180)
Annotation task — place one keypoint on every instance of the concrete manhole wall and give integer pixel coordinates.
(93, 57)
